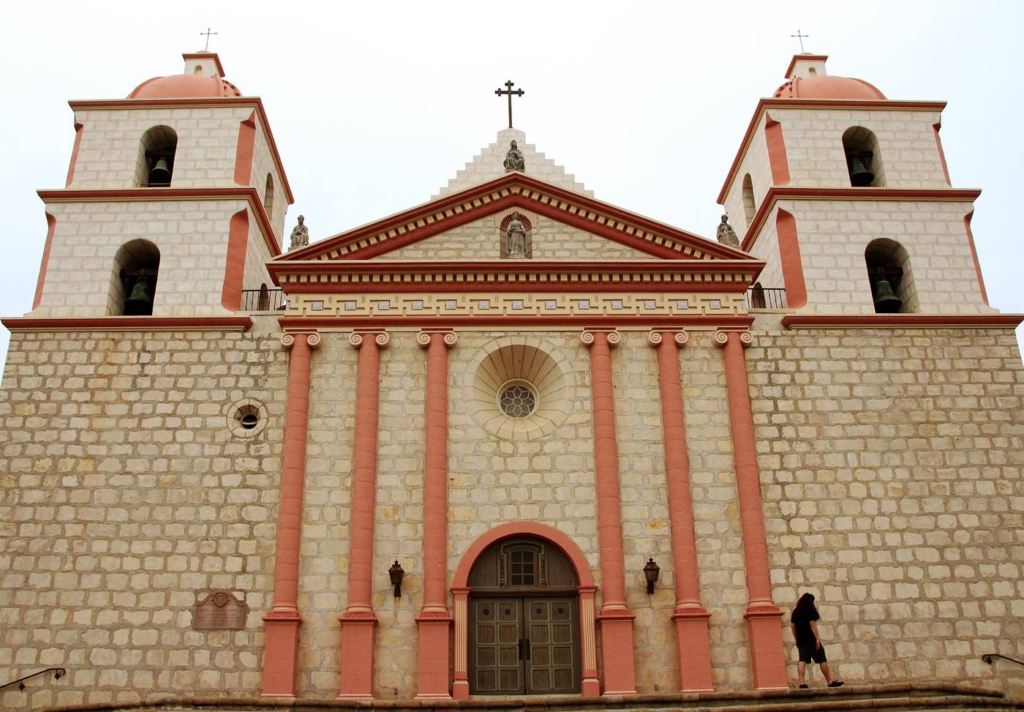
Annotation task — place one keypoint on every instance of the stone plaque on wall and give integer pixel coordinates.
(220, 610)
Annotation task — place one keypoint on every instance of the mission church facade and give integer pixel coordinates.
(515, 440)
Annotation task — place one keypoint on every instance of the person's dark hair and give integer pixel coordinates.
(805, 604)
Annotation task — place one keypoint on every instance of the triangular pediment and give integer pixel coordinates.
(561, 212)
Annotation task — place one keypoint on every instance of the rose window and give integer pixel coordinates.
(518, 401)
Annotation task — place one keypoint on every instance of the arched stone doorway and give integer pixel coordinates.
(524, 615)
(523, 621)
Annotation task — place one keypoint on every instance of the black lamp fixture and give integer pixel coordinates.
(651, 571)
(397, 573)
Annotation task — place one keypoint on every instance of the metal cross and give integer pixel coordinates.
(208, 33)
(517, 92)
(801, 38)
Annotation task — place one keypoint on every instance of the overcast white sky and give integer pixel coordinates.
(375, 106)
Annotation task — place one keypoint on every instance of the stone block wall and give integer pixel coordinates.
(108, 154)
(124, 496)
(755, 163)
(192, 238)
(892, 467)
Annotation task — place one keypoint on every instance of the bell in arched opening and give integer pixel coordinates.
(860, 176)
(140, 299)
(161, 173)
(886, 301)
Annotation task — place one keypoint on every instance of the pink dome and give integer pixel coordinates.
(828, 88)
(184, 86)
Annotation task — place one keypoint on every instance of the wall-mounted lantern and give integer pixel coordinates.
(651, 571)
(397, 574)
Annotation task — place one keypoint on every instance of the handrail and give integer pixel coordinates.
(58, 673)
(987, 657)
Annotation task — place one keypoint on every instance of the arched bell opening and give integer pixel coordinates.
(889, 274)
(524, 620)
(749, 207)
(133, 286)
(268, 196)
(863, 158)
(155, 164)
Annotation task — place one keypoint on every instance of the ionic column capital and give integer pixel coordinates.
(611, 336)
(657, 337)
(449, 338)
(358, 338)
(313, 340)
(722, 337)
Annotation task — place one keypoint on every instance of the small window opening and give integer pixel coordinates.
(264, 300)
(248, 417)
(757, 297)
(156, 157)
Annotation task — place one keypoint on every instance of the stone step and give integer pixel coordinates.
(903, 697)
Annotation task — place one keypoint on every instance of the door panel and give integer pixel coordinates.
(497, 631)
(524, 646)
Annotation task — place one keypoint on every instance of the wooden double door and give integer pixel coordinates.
(524, 645)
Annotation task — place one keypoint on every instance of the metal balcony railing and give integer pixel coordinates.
(58, 673)
(761, 298)
(258, 300)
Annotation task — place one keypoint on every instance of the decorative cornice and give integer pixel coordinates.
(478, 321)
(924, 195)
(137, 195)
(765, 104)
(902, 321)
(203, 103)
(504, 193)
(522, 275)
(129, 323)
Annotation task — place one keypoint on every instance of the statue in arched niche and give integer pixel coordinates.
(515, 237)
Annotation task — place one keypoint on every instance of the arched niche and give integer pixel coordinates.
(155, 165)
(893, 290)
(863, 158)
(134, 280)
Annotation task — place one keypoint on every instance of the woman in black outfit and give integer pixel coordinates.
(804, 620)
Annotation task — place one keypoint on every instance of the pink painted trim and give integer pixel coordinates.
(517, 190)
(777, 157)
(789, 255)
(504, 531)
(693, 647)
(51, 227)
(579, 320)
(129, 323)
(134, 195)
(942, 154)
(606, 456)
(234, 263)
(74, 153)
(974, 252)
(281, 656)
(209, 103)
(765, 104)
(903, 321)
(435, 478)
(358, 620)
(748, 481)
(928, 195)
(244, 150)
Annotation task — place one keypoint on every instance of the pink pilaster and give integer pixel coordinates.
(358, 620)
(693, 643)
(434, 620)
(283, 621)
(616, 619)
(764, 626)
(460, 686)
